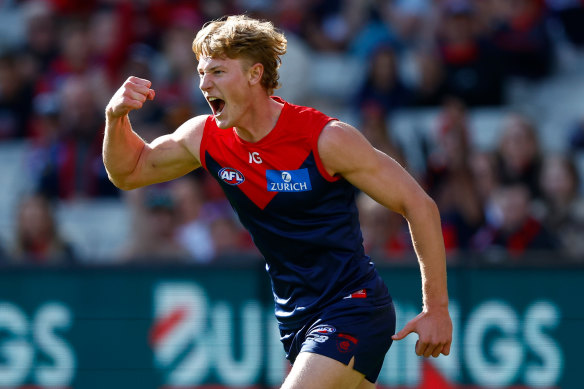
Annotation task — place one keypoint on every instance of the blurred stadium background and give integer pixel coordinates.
(481, 100)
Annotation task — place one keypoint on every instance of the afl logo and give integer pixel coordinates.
(231, 176)
(324, 329)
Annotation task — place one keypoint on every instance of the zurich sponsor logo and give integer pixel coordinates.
(231, 176)
(288, 180)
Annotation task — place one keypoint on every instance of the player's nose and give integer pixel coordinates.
(204, 83)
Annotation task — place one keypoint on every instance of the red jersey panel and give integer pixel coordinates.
(286, 147)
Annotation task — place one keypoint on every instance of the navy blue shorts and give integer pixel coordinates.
(351, 327)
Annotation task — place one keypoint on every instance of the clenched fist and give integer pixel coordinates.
(131, 95)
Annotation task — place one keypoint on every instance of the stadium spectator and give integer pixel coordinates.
(16, 96)
(483, 165)
(75, 58)
(328, 25)
(44, 121)
(562, 207)
(109, 30)
(193, 231)
(229, 238)
(155, 228)
(40, 46)
(449, 177)
(178, 95)
(472, 65)
(289, 15)
(514, 230)
(142, 59)
(38, 240)
(383, 86)
(69, 165)
(385, 233)
(429, 84)
(519, 153)
(374, 126)
(520, 33)
(413, 21)
(373, 32)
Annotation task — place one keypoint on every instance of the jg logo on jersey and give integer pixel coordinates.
(288, 180)
(231, 176)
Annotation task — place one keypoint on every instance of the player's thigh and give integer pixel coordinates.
(315, 371)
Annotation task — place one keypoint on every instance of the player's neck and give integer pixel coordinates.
(260, 119)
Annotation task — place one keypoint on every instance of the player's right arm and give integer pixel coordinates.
(130, 161)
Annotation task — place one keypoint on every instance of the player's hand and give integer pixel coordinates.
(132, 95)
(434, 329)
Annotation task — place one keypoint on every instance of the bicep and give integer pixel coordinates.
(169, 156)
(345, 151)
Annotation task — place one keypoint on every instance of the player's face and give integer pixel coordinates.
(224, 84)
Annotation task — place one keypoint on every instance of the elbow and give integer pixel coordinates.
(431, 205)
(123, 183)
(124, 186)
(423, 205)
(123, 179)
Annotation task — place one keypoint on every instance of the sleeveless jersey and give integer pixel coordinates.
(303, 221)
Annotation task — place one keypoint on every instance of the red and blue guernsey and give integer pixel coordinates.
(303, 220)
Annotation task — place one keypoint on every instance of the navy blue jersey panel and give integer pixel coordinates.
(311, 241)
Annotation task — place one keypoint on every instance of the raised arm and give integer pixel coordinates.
(130, 161)
(346, 152)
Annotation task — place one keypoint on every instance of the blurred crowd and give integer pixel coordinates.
(58, 71)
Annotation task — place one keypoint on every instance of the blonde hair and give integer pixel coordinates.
(241, 36)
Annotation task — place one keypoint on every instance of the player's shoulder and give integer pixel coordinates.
(337, 133)
(193, 125)
(339, 145)
(190, 133)
(339, 125)
(192, 129)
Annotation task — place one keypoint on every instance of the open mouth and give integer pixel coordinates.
(217, 105)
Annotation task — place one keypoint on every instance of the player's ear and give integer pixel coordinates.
(255, 73)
